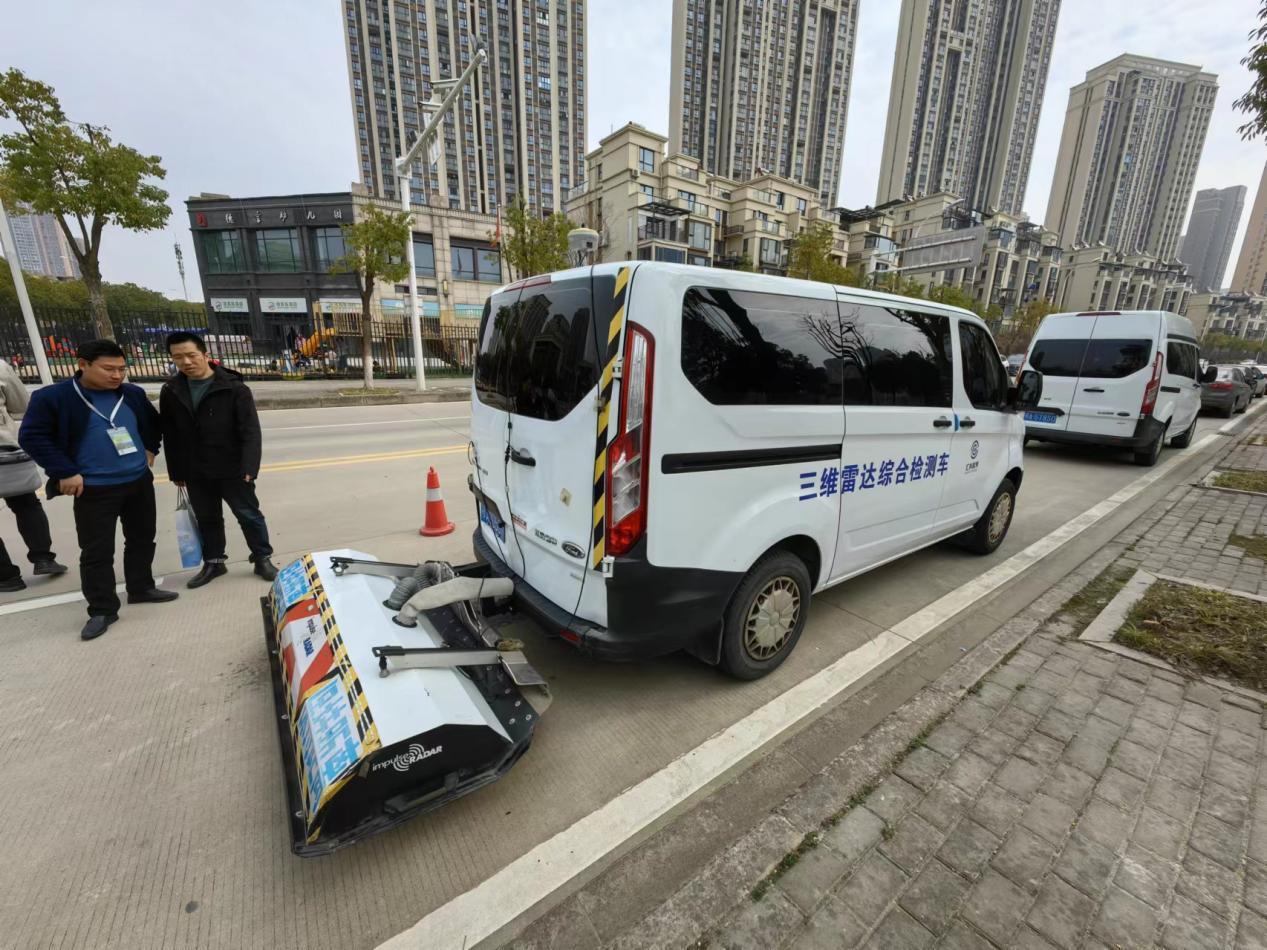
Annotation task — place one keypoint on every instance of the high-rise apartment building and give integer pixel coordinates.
(966, 92)
(1250, 276)
(1216, 212)
(763, 88)
(520, 125)
(42, 247)
(1128, 155)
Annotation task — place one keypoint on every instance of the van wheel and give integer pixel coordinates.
(766, 616)
(1185, 440)
(991, 528)
(1149, 456)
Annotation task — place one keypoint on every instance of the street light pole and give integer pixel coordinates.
(402, 177)
(24, 300)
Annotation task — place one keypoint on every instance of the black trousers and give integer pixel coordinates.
(33, 526)
(206, 496)
(97, 511)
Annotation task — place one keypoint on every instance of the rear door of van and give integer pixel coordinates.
(1057, 352)
(533, 428)
(1116, 369)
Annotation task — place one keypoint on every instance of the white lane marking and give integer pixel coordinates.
(56, 600)
(359, 425)
(523, 883)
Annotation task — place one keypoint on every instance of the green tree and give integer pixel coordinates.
(1254, 102)
(894, 283)
(1020, 330)
(78, 174)
(534, 245)
(375, 251)
(809, 255)
(953, 296)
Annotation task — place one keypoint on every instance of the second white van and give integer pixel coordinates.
(670, 457)
(1121, 379)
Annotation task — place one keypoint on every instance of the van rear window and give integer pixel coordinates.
(1115, 359)
(1058, 357)
(537, 347)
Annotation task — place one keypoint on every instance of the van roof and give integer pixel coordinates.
(783, 284)
(1175, 323)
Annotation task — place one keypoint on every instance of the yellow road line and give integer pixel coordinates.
(332, 461)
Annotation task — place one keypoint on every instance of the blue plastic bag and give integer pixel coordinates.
(187, 537)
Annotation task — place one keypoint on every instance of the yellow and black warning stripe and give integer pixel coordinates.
(614, 329)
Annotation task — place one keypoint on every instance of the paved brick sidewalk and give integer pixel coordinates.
(1074, 799)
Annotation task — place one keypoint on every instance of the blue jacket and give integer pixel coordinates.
(56, 420)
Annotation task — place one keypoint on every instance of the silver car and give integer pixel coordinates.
(1228, 392)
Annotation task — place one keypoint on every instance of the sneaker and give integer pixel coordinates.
(12, 585)
(96, 626)
(49, 566)
(266, 569)
(208, 574)
(155, 595)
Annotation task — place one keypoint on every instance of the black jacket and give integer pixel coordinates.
(221, 439)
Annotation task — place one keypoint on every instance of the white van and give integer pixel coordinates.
(1126, 379)
(671, 457)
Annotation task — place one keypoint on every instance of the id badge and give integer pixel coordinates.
(122, 440)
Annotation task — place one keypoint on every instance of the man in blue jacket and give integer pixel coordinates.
(96, 437)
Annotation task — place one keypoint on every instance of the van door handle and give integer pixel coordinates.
(523, 458)
(967, 423)
(1091, 389)
(942, 423)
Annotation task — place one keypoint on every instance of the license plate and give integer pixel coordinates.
(498, 526)
(1047, 417)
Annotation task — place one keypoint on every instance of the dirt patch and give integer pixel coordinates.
(1256, 440)
(1254, 545)
(1084, 606)
(1200, 631)
(1242, 481)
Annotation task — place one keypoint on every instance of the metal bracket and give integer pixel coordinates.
(351, 565)
(607, 566)
(514, 662)
(618, 368)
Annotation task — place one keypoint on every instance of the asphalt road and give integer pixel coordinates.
(139, 774)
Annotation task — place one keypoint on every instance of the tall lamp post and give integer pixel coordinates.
(429, 132)
(24, 300)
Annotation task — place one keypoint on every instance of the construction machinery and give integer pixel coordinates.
(398, 688)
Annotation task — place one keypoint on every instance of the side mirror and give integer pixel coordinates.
(1028, 391)
(1208, 375)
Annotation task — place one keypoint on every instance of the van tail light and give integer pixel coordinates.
(1221, 386)
(629, 455)
(1154, 387)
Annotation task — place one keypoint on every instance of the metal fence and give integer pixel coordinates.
(333, 350)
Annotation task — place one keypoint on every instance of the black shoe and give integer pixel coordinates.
(12, 585)
(155, 595)
(209, 573)
(49, 566)
(96, 626)
(266, 569)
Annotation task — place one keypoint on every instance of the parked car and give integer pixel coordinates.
(1014, 364)
(1228, 392)
(1124, 379)
(758, 439)
(1255, 377)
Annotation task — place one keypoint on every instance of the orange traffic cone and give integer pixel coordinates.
(437, 522)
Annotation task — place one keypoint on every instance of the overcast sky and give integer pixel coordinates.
(248, 97)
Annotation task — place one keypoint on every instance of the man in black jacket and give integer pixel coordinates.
(212, 435)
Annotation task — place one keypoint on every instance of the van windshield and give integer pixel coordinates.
(536, 352)
(1093, 359)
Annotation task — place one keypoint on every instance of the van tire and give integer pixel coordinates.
(1148, 457)
(1185, 440)
(779, 574)
(980, 538)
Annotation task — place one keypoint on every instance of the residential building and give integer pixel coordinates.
(1128, 156)
(42, 246)
(1250, 275)
(763, 88)
(1233, 314)
(1216, 212)
(966, 93)
(872, 249)
(265, 263)
(519, 127)
(647, 205)
(1099, 278)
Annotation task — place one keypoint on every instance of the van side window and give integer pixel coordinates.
(1181, 359)
(984, 379)
(903, 357)
(741, 348)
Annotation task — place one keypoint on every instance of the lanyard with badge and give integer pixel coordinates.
(120, 437)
